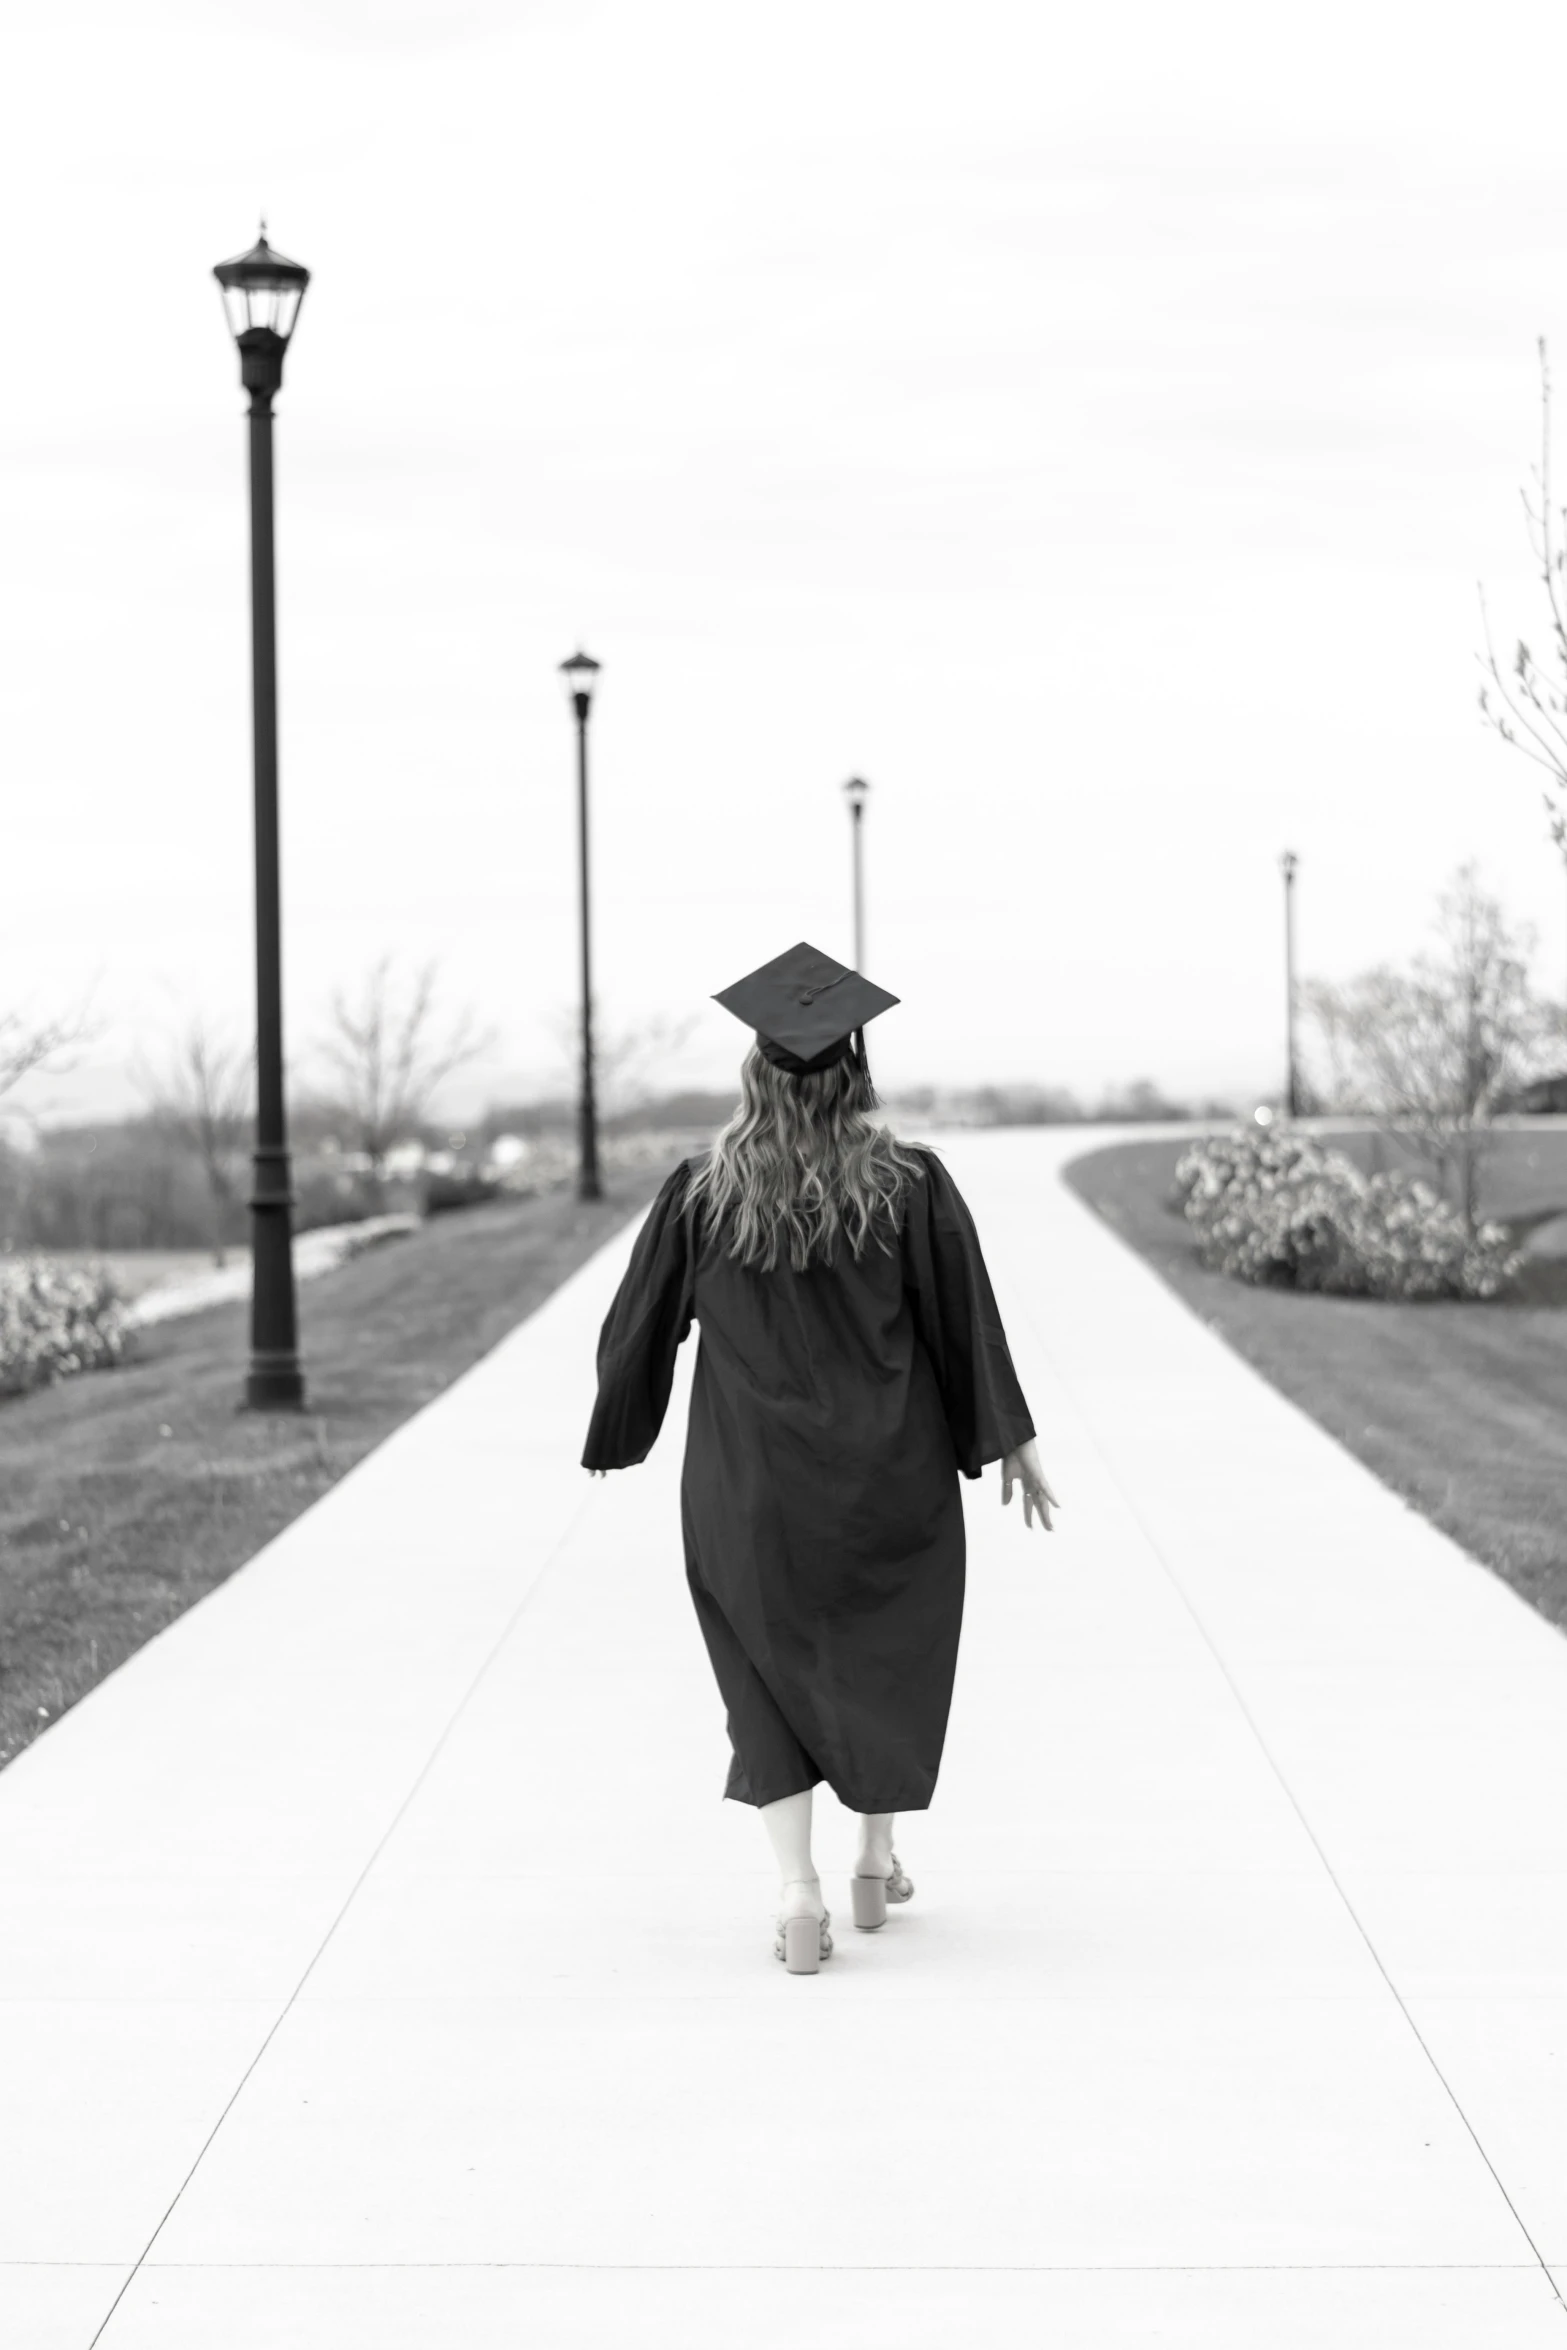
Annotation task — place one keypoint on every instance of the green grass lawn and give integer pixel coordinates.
(127, 1494)
(1460, 1407)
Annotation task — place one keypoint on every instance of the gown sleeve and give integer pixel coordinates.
(958, 1323)
(651, 1313)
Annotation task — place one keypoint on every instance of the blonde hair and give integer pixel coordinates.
(803, 1160)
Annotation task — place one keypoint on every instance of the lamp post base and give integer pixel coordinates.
(274, 1380)
(275, 1383)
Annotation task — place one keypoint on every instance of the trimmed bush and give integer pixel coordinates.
(55, 1320)
(445, 1192)
(1283, 1210)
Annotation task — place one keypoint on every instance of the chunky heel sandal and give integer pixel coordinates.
(803, 1942)
(869, 1896)
(802, 1946)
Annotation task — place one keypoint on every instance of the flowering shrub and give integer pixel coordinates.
(56, 1319)
(1282, 1209)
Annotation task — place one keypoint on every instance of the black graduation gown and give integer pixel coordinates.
(832, 1412)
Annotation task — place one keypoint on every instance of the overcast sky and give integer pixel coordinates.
(1090, 425)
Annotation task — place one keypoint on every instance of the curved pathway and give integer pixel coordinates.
(344, 2000)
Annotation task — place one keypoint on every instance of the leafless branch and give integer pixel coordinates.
(29, 1046)
(1431, 1052)
(203, 1097)
(627, 1062)
(1529, 711)
(388, 1058)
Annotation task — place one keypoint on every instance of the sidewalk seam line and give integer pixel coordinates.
(505, 1633)
(732, 2268)
(1252, 1724)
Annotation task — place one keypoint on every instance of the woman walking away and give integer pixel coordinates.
(851, 1367)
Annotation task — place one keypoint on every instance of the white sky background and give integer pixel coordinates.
(1090, 425)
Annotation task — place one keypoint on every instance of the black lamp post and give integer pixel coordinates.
(261, 293)
(1287, 865)
(581, 675)
(855, 791)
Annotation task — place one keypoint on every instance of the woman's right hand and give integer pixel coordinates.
(1025, 1464)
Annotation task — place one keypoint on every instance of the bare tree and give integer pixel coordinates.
(388, 1056)
(1431, 1052)
(204, 1097)
(29, 1046)
(627, 1062)
(1527, 704)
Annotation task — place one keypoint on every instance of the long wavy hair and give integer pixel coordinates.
(801, 1161)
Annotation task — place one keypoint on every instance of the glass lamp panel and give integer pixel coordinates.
(856, 792)
(283, 305)
(580, 674)
(262, 289)
(273, 304)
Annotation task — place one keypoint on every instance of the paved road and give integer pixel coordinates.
(382, 1968)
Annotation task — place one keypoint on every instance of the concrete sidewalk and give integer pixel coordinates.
(382, 1967)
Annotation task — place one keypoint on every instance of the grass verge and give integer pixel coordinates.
(1459, 1407)
(125, 1495)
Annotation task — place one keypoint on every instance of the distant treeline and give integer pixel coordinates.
(1050, 1105)
(132, 1185)
(137, 1182)
(984, 1105)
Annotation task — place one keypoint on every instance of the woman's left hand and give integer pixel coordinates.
(1037, 1496)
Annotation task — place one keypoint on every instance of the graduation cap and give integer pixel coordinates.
(806, 1009)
